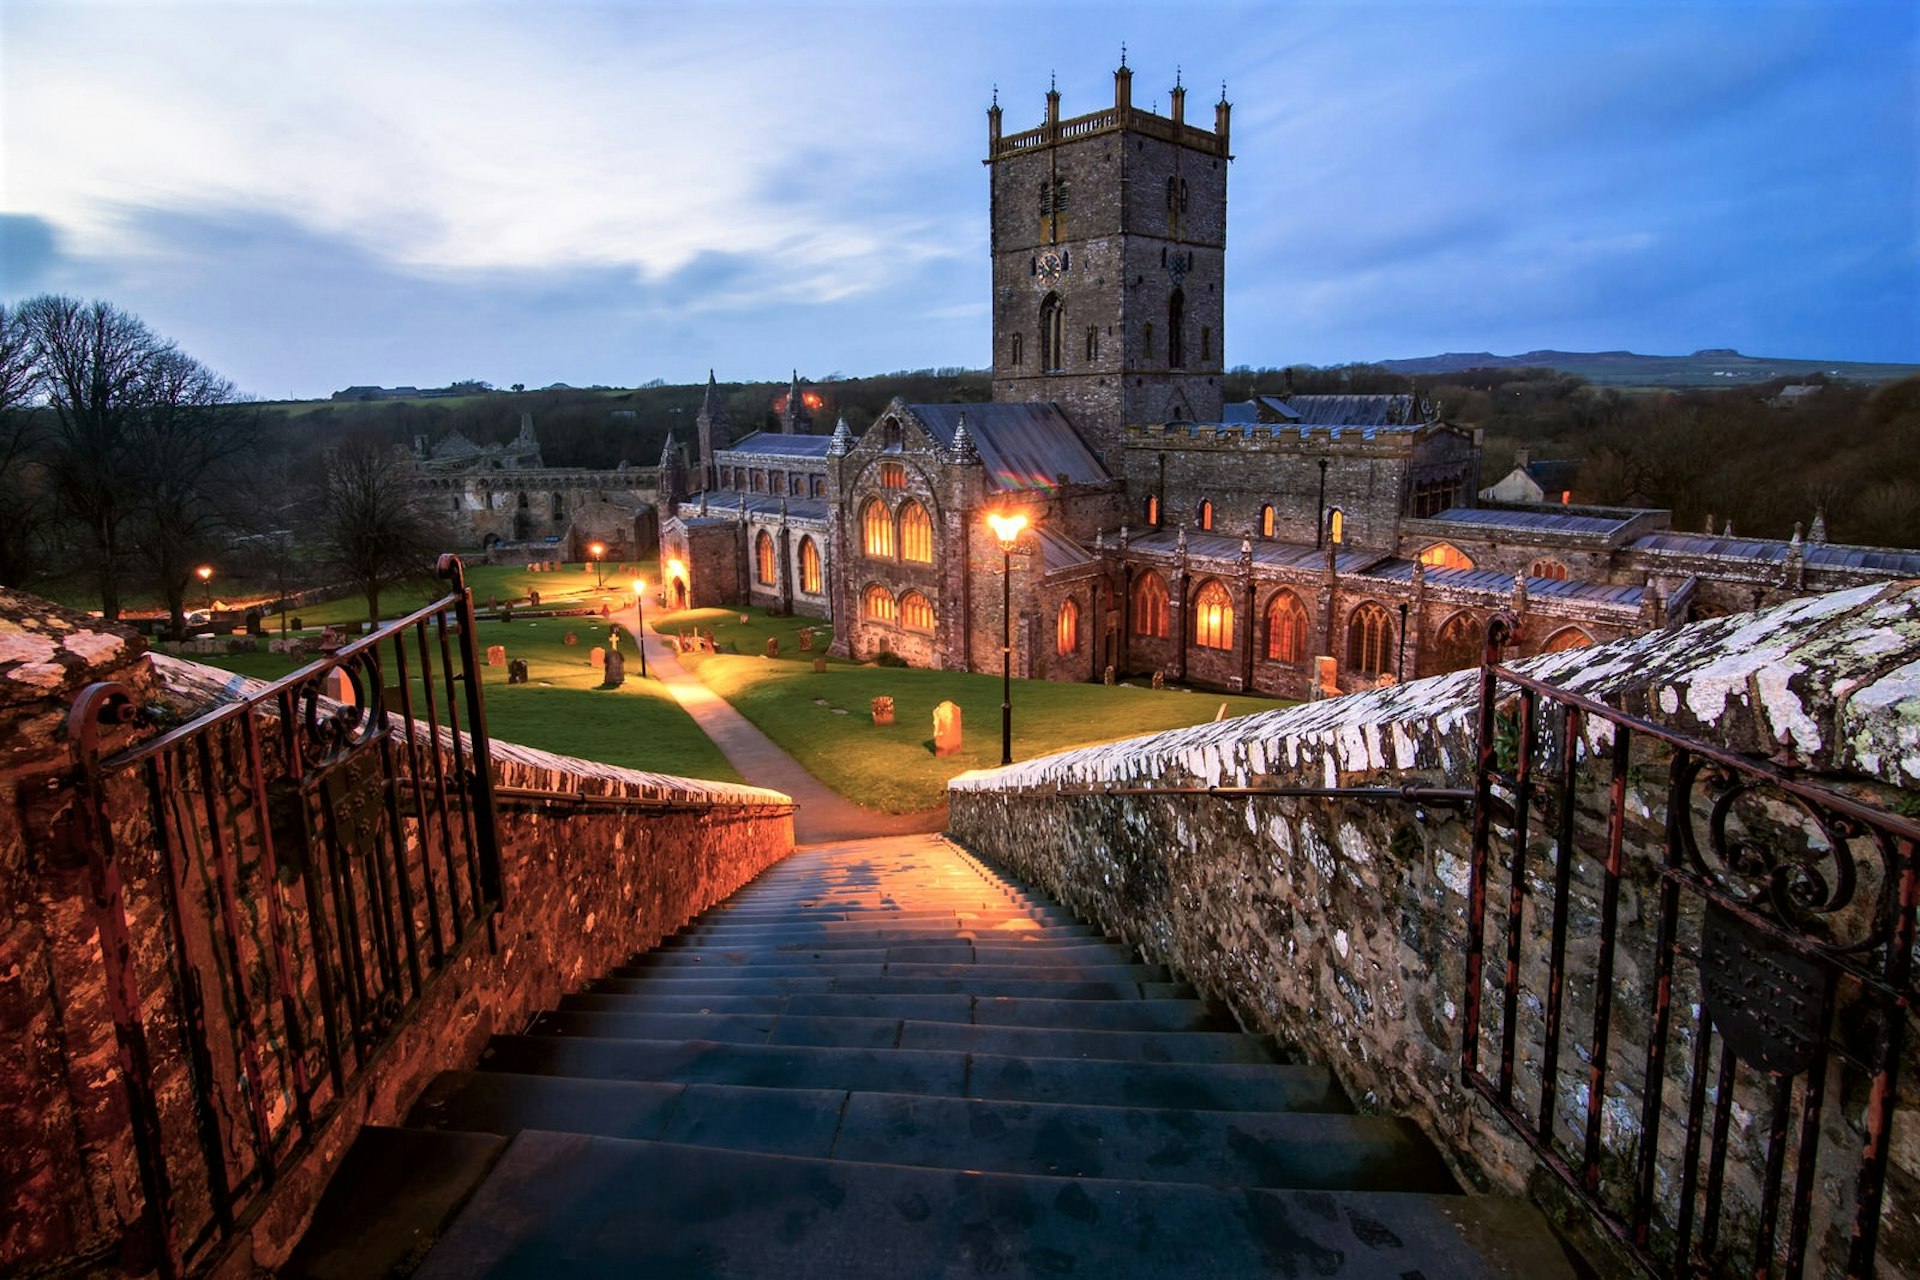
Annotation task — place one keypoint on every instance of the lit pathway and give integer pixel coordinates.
(823, 815)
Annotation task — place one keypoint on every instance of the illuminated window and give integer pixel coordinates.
(877, 604)
(1444, 555)
(915, 612)
(1150, 605)
(1369, 640)
(1053, 334)
(1213, 617)
(1547, 568)
(916, 533)
(892, 476)
(1567, 638)
(1206, 514)
(1067, 630)
(1459, 645)
(877, 526)
(1286, 628)
(809, 567)
(1336, 526)
(763, 565)
(1266, 521)
(1153, 510)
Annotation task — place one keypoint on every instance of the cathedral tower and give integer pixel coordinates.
(1109, 236)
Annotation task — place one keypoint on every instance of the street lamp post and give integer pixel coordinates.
(597, 550)
(1006, 528)
(640, 631)
(205, 574)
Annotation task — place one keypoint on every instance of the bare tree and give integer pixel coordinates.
(369, 521)
(23, 480)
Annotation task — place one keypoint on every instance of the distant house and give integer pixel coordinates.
(1795, 394)
(1530, 481)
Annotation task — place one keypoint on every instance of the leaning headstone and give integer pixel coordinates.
(1159, 679)
(597, 657)
(883, 710)
(299, 624)
(517, 671)
(496, 655)
(1108, 678)
(570, 640)
(616, 669)
(773, 646)
(1220, 714)
(946, 729)
(340, 686)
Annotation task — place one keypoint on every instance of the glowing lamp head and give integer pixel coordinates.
(1007, 528)
(639, 586)
(597, 550)
(205, 572)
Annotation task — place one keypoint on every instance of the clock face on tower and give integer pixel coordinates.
(1051, 266)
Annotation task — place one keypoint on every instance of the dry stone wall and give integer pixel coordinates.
(1340, 926)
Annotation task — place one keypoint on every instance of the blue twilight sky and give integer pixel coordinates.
(309, 195)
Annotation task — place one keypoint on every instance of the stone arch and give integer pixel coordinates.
(877, 604)
(1149, 603)
(1213, 615)
(876, 529)
(1566, 638)
(1369, 639)
(916, 533)
(766, 569)
(1460, 643)
(1286, 620)
(1053, 334)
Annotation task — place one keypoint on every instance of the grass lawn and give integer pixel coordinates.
(570, 585)
(825, 721)
(560, 709)
(748, 638)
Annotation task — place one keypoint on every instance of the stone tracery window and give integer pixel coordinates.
(1066, 638)
(1053, 334)
(1213, 617)
(1444, 555)
(876, 604)
(1150, 605)
(1286, 628)
(916, 612)
(916, 533)
(1547, 567)
(876, 525)
(763, 558)
(1566, 638)
(1369, 640)
(1459, 644)
(893, 475)
(809, 567)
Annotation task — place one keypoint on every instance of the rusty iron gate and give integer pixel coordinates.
(276, 883)
(1702, 1046)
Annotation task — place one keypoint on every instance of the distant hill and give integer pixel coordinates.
(1711, 367)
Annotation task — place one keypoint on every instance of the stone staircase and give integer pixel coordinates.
(882, 1059)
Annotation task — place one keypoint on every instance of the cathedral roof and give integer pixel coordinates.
(726, 504)
(1022, 446)
(1058, 551)
(775, 444)
(1823, 555)
(1497, 583)
(1492, 519)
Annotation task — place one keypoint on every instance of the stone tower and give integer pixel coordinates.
(714, 432)
(1109, 236)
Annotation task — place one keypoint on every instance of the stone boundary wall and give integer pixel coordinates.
(1339, 926)
(583, 890)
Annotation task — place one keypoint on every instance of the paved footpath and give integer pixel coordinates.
(824, 815)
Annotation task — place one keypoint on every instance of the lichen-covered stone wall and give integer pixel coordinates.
(1340, 925)
(582, 891)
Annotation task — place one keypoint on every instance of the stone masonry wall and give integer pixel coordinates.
(1339, 926)
(581, 891)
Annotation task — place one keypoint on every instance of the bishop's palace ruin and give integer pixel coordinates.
(1296, 545)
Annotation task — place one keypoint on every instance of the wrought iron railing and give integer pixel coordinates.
(276, 883)
(1702, 1046)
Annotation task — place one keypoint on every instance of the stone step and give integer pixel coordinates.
(885, 1033)
(1252, 1149)
(983, 983)
(949, 1073)
(1102, 1015)
(723, 916)
(606, 1206)
(948, 951)
(906, 969)
(775, 937)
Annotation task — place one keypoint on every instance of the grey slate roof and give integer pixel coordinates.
(1489, 580)
(1492, 518)
(1340, 411)
(1267, 553)
(1058, 551)
(1823, 555)
(724, 504)
(772, 444)
(1022, 446)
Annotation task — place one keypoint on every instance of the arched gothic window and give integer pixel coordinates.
(1053, 334)
(763, 559)
(916, 614)
(1369, 640)
(1067, 630)
(1176, 330)
(876, 605)
(1153, 510)
(1286, 628)
(1547, 568)
(1017, 354)
(1150, 605)
(916, 533)
(876, 527)
(809, 567)
(1206, 515)
(1458, 645)
(1444, 555)
(1566, 638)
(1213, 617)
(1336, 526)
(1266, 521)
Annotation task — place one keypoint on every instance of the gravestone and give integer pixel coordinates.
(597, 656)
(883, 710)
(806, 639)
(1159, 679)
(773, 646)
(570, 640)
(533, 599)
(496, 655)
(743, 619)
(517, 671)
(298, 623)
(616, 669)
(946, 729)
(1108, 678)
(820, 666)
(256, 623)
(1326, 677)
(340, 686)
(1220, 714)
